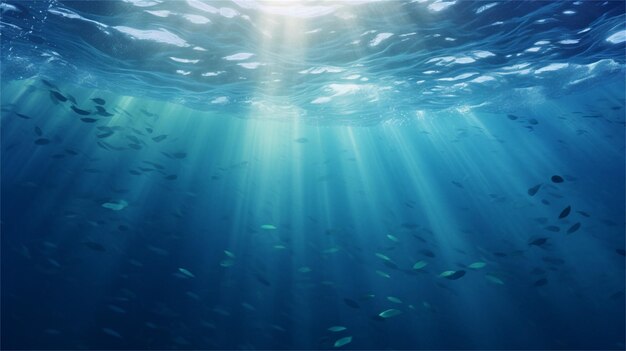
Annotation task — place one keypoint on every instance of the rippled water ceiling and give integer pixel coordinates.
(364, 62)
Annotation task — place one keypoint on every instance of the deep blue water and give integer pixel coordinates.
(312, 175)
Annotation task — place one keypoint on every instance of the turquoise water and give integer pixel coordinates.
(298, 175)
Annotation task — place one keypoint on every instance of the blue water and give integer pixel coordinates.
(313, 175)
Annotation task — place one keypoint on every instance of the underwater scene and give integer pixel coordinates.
(313, 175)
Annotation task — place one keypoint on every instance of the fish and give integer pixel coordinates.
(104, 135)
(512, 117)
(80, 111)
(186, 273)
(458, 184)
(179, 155)
(492, 278)
(23, 116)
(112, 332)
(392, 312)
(532, 191)
(420, 264)
(565, 212)
(268, 227)
(94, 246)
(337, 328)
(427, 253)
(88, 120)
(477, 265)
(557, 179)
(452, 275)
(48, 84)
(583, 213)
(115, 206)
(160, 138)
(573, 228)
(394, 299)
(351, 303)
(58, 96)
(538, 241)
(99, 101)
(533, 121)
(541, 282)
(343, 341)
(301, 140)
(42, 141)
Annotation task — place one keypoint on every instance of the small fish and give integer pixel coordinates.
(160, 138)
(458, 184)
(394, 299)
(42, 141)
(268, 227)
(343, 341)
(557, 179)
(58, 96)
(512, 117)
(179, 155)
(99, 101)
(565, 212)
(104, 135)
(533, 121)
(532, 191)
(452, 275)
(351, 303)
(538, 241)
(301, 140)
(541, 282)
(477, 265)
(112, 332)
(392, 312)
(583, 213)
(80, 111)
(337, 328)
(427, 253)
(186, 272)
(22, 116)
(573, 228)
(492, 278)
(420, 264)
(115, 206)
(88, 120)
(94, 246)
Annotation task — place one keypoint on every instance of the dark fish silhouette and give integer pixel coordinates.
(565, 212)
(58, 96)
(99, 101)
(427, 253)
(583, 213)
(557, 179)
(351, 303)
(101, 111)
(301, 140)
(456, 275)
(94, 246)
(160, 138)
(88, 120)
(538, 241)
(533, 121)
(512, 117)
(573, 228)
(541, 282)
(532, 191)
(23, 116)
(458, 184)
(79, 111)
